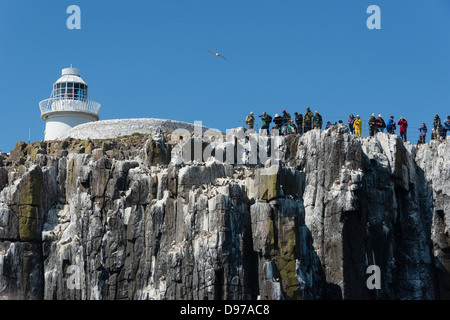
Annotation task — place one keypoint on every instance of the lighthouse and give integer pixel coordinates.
(68, 105)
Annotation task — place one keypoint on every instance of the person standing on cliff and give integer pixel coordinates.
(278, 121)
(403, 126)
(446, 126)
(307, 120)
(250, 120)
(286, 118)
(380, 124)
(299, 122)
(423, 132)
(436, 127)
(442, 132)
(391, 125)
(372, 125)
(358, 125)
(317, 121)
(351, 123)
(266, 120)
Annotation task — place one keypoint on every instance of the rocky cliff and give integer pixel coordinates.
(281, 218)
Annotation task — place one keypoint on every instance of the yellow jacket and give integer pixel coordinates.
(357, 124)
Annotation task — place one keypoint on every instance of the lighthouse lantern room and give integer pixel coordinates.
(68, 105)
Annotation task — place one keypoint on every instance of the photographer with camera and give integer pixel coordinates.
(266, 120)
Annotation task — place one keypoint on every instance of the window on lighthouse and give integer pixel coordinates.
(76, 89)
(60, 91)
(82, 93)
(70, 90)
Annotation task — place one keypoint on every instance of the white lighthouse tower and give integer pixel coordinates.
(68, 105)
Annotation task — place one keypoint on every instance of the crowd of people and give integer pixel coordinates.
(302, 123)
(285, 124)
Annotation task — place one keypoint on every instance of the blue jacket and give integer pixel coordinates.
(390, 123)
(447, 124)
(423, 131)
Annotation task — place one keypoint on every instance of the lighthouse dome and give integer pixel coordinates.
(71, 75)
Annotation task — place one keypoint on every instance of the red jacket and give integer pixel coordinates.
(403, 124)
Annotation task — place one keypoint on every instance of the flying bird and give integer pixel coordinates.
(217, 54)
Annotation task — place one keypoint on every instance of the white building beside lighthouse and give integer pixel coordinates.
(68, 105)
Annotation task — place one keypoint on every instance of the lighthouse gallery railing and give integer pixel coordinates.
(85, 105)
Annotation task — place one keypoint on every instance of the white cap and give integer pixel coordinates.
(70, 71)
(70, 75)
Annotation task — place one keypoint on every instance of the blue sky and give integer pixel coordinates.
(149, 59)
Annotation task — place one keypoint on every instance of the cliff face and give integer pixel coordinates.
(134, 218)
